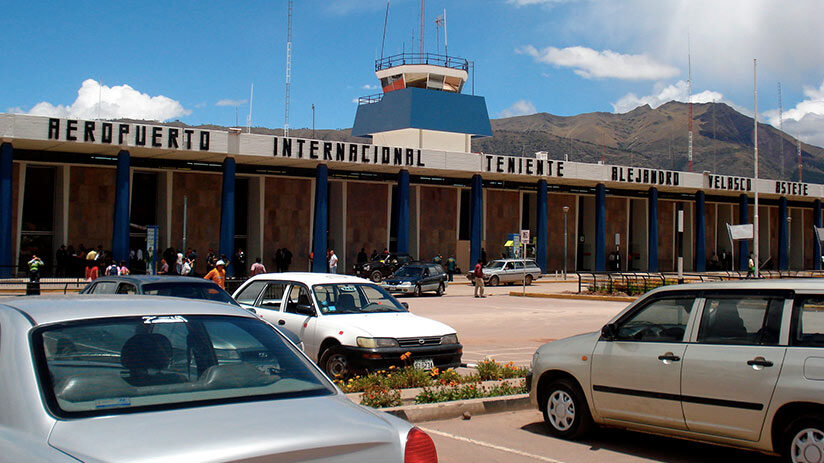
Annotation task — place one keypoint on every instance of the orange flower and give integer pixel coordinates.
(434, 372)
(406, 355)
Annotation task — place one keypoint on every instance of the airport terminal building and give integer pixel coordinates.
(416, 188)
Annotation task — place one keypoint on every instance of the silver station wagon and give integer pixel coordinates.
(128, 379)
(737, 363)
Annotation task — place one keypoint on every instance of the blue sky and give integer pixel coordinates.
(195, 61)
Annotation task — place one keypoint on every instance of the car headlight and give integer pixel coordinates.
(449, 339)
(406, 283)
(372, 343)
(366, 267)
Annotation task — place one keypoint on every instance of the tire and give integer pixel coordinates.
(528, 280)
(566, 413)
(335, 363)
(440, 290)
(418, 291)
(494, 280)
(376, 276)
(803, 440)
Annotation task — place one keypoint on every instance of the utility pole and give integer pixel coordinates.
(755, 154)
(781, 128)
(288, 70)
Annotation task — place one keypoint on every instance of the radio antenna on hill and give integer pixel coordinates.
(781, 128)
(288, 70)
(689, 102)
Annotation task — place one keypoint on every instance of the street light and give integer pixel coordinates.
(789, 221)
(566, 210)
(313, 121)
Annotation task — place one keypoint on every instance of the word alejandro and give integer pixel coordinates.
(128, 134)
(649, 176)
(346, 152)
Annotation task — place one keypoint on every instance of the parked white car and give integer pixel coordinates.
(348, 323)
(735, 363)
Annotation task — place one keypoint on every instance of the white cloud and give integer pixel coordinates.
(663, 94)
(534, 2)
(120, 101)
(591, 64)
(370, 87)
(519, 108)
(344, 7)
(806, 119)
(229, 102)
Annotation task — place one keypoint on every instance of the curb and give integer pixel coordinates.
(455, 409)
(575, 296)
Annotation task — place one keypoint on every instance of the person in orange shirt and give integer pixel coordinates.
(218, 274)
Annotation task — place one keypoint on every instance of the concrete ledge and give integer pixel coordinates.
(455, 409)
(576, 296)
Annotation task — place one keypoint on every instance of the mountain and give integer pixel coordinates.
(722, 141)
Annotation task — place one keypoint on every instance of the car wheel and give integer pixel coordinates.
(335, 363)
(440, 289)
(528, 280)
(376, 276)
(566, 413)
(418, 291)
(493, 281)
(804, 440)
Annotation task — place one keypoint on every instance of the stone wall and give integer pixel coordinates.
(287, 220)
(203, 192)
(439, 222)
(503, 213)
(555, 230)
(367, 218)
(91, 206)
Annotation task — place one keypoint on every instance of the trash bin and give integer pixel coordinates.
(33, 288)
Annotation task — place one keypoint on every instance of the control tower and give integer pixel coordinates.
(422, 105)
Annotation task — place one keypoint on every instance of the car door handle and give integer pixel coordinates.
(669, 356)
(759, 362)
(281, 322)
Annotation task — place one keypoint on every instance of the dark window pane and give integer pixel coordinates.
(38, 200)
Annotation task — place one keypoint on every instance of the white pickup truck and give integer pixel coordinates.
(349, 324)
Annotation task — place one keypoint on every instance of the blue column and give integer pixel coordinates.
(700, 233)
(783, 257)
(476, 220)
(600, 227)
(743, 245)
(652, 231)
(227, 213)
(321, 226)
(541, 238)
(816, 242)
(403, 211)
(6, 260)
(120, 228)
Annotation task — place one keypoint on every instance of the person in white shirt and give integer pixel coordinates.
(333, 262)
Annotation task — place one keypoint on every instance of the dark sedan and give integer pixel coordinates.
(415, 278)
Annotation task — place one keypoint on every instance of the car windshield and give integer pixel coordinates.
(113, 365)
(408, 272)
(495, 264)
(343, 298)
(189, 290)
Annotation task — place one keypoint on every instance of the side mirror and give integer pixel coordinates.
(609, 332)
(405, 305)
(305, 309)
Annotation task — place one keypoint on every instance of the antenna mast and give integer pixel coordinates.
(781, 128)
(251, 98)
(385, 20)
(288, 70)
(423, 7)
(441, 21)
(689, 102)
(798, 139)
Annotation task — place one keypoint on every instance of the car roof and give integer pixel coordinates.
(799, 284)
(143, 279)
(42, 310)
(309, 278)
(530, 260)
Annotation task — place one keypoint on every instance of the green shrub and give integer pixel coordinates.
(380, 397)
(490, 369)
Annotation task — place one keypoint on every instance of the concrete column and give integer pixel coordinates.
(403, 211)
(6, 167)
(227, 213)
(652, 234)
(700, 233)
(600, 227)
(743, 245)
(476, 214)
(816, 242)
(320, 222)
(783, 256)
(120, 227)
(541, 226)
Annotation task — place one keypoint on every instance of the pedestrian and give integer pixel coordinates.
(362, 256)
(218, 274)
(287, 259)
(34, 268)
(451, 266)
(483, 256)
(257, 268)
(240, 263)
(478, 273)
(374, 255)
(112, 270)
(179, 263)
(438, 258)
(186, 268)
(92, 271)
(164, 267)
(210, 260)
(279, 260)
(751, 267)
(62, 258)
(333, 262)
(124, 270)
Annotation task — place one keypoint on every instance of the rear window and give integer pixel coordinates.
(131, 364)
(808, 329)
(189, 290)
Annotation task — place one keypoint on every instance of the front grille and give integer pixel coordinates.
(415, 342)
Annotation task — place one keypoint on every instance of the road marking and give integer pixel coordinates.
(487, 444)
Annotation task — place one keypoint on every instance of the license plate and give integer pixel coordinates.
(423, 364)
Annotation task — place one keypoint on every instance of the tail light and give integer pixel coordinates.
(419, 448)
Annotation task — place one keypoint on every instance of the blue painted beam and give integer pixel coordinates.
(542, 237)
(816, 242)
(120, 226)
(783, 255)
(321, 225)
(476, 220)
(227, 213)
(652, 230)
(600, 227)
(700, 233)
(403, 211)
(6, 166)
(743, 245)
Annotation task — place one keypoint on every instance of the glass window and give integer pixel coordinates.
(126, 288)
(809, 325)
(517, 265)
(355, 298)
(741, 320)
(251, 292)
(105, 287)
(663, 320)
(125, 364)
(196, 289)
(298, 295)
(273, 296)
(407, 271)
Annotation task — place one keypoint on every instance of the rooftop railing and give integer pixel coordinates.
(434, 59)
